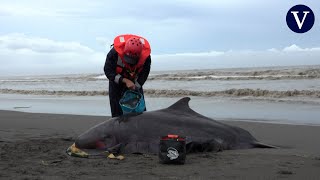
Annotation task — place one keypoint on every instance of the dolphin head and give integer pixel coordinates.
(101, 136)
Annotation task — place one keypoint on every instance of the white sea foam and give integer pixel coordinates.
(100, 77)
(180, 93)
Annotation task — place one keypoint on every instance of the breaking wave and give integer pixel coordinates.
(192, 75)
(270, 74)
(179, 93)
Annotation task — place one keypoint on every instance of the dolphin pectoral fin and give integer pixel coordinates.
(262, 145)
(115, 149)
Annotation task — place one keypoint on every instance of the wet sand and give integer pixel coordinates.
(32, 146)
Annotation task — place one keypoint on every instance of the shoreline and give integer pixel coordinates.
(283, 112)
(227, 120)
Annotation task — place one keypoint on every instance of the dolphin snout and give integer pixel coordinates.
(86, 142)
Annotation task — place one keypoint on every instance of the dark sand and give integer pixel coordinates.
(32, 146)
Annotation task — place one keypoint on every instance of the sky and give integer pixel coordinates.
(74, 36)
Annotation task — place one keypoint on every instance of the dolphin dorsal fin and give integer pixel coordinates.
(182, 104)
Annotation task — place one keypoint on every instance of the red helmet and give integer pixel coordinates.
(132, 50)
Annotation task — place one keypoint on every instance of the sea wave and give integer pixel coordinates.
(194, 75)
(213, 77)
(21, 80)
(178, 93)
(299, 73)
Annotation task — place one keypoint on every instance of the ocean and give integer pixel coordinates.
(270, 94)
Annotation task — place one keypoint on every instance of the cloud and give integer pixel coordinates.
(200, 54)
(20, 10)
(43, 9)
(99, 10)
(17, 42)
(103, 41)
(21, 54)
(295, 48)
(24, 55)
(170, 25)
(289, 56)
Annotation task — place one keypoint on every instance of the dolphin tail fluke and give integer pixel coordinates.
(262, 145)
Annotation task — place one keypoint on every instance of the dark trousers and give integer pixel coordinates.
(116, 92)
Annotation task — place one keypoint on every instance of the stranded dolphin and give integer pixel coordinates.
(141, 133)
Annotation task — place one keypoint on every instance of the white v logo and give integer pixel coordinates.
(295, 14)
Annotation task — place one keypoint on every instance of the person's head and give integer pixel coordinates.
(132, 50)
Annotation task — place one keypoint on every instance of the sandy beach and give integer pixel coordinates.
(32, 146)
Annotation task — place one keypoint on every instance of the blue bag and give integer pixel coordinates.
(132, 101)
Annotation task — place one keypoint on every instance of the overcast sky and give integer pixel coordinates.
(74, 36)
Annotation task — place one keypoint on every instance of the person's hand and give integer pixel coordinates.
(129, 84)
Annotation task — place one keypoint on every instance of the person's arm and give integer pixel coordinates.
(110, 67)
(143, 75)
